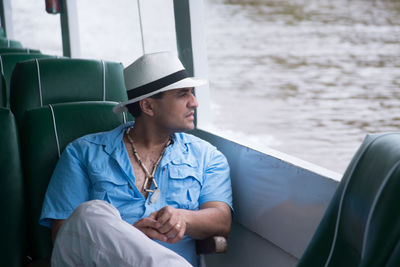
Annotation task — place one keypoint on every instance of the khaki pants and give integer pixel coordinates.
(95, 235)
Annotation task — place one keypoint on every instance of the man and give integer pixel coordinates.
(151, 184)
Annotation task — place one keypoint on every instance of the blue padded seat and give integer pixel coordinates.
(36, 83)
(361, 226)
(7, 65)
(45, 133)
(12, 230)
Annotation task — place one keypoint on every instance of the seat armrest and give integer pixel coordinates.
(214, 244)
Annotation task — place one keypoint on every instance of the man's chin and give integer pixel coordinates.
(188, 127)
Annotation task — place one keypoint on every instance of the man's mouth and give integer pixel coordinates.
(191, 114)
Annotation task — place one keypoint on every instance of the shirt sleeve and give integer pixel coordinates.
(68, 187)
(216, 180)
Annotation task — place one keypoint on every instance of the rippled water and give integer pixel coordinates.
(308, 78)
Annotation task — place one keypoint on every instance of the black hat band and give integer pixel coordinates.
(157, 84)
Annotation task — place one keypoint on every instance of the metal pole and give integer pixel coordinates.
(6, 18)
(192, 50)
(70, 29)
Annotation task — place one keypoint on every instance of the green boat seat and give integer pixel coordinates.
(8, 50)
(12, 230)
(361, 226)
(45, 133)
(4, 42)
(7, 65)
(39, 82)
(3, 94)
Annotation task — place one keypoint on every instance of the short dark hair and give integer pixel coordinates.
(135, 109)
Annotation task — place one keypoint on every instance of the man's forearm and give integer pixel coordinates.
(213, 218)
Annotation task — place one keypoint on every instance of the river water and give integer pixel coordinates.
(306, 77)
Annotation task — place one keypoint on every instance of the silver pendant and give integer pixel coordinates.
(155, 196)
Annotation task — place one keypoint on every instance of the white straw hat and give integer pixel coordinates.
(154, 73)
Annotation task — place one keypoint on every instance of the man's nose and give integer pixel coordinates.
(193, 101)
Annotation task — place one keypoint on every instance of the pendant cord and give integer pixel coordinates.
(149, 176)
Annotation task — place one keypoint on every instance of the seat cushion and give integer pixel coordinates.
(12, 230)
(39, 137)
(3, 93)
(64, 80)
(7, 65)
(9, 43)
(7, 50)
(362, 224)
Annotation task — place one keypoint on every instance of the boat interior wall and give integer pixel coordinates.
(7, 64)
(280, 202)
(12, 230)
(247, 248)
(36, 83)
(45, 133)
(361, 226)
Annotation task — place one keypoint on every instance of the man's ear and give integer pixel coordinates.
(147, 106)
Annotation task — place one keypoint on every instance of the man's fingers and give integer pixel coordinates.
(154, 215)
(147, 222)
(165, 214)
(154, 234)
(173, 231)
(168, 225)
(178, 237)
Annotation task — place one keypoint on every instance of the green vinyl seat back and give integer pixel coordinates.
(3, 94)
(361, 226)
(39, 82)
(8, 50)
(45, 133)
(12, 229)
(7, 65)
(4, 42)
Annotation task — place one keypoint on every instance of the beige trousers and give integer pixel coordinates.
(95, 235)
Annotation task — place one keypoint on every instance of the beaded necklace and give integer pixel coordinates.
(149, 177)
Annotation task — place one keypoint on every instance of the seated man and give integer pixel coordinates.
(142, 184)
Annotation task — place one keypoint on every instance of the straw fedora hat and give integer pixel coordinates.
(154, 73)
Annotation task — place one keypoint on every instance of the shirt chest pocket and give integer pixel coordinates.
(184, 186)
(109, 188)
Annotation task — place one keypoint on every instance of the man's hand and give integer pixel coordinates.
(167, 225)
(172, 223)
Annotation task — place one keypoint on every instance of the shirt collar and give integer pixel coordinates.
(113, 139)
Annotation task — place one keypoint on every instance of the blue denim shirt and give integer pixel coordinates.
(97, 166)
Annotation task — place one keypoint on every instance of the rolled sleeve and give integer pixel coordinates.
(216, 180)
(67, 189)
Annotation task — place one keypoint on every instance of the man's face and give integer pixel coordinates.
(175, 110)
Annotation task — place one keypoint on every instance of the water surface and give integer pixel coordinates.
(309, 78)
